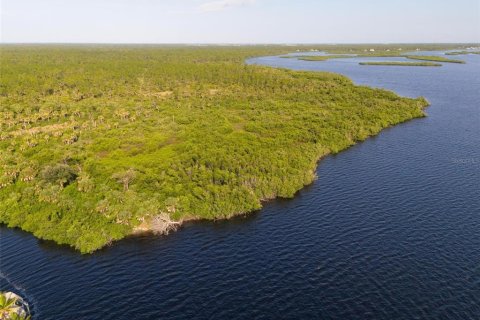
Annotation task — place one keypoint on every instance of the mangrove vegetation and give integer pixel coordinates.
(400, 63)
(99, 142)
(456, 53)
(373, 55)
(434, 58)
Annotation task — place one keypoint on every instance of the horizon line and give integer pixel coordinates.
(237, 43)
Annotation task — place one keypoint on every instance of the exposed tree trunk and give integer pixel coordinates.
(162, 224)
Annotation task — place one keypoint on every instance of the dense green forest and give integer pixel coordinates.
(97, 142)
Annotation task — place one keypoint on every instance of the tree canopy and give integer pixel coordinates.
(98, 141)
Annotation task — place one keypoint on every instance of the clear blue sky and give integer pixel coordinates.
(240, 21)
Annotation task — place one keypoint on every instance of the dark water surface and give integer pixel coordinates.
(391, 230)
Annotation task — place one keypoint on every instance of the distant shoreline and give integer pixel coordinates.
(388, 54)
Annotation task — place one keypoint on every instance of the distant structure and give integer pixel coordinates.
(372, 50)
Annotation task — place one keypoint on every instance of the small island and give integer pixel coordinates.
(324, 58)
(401, 63)
(434, 58)
(375, 55)
(456, 53)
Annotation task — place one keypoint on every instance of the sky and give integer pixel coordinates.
(239, 21)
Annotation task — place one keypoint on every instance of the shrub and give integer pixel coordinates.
(60, 174)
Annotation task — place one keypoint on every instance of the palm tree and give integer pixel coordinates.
(15, 316)
(125, 177)
(6, 306)
(9, 309)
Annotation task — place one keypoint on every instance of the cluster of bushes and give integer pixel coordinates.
(95, 141)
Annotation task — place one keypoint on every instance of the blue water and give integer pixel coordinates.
(390, 230)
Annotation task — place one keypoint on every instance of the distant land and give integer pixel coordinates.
(399, 63)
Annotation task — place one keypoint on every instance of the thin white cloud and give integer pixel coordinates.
(223, 4)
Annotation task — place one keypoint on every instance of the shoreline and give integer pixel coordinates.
(279, 151)
(142, 231)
